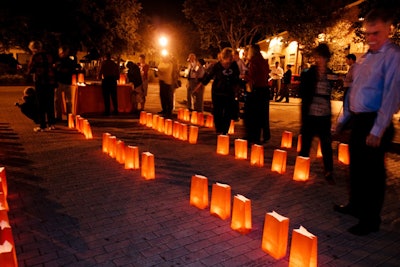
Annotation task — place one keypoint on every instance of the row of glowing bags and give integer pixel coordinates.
(276, 227)
(8, 256)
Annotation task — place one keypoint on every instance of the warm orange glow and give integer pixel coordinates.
(257, 155)
(183, 132)
(200, 118)
(71, 121)
(8, 256)
(299, 143)
(193, 134)
(240, 149)
(143, 117)
(77, 122)
(168, 127)
(176, 129)
(221, 200)
(209, 121)
(186, 115)
(287, 138)
(122, 78)
(223, 144)
(148, 169)
(343, 153)
(154, 124)
(132, 157)
(120, 152)
(81, 78)
(301, 169)
(231, 127)
(319, 151)
(241, 214)
(105, 146)
(303, 249)
(193, 118)
(3, 202)
(180, 114)
(199, 191)
(275, 235)
(112, 146)
(3, 178)
(279, 161)
(73, 79)
(149, 119)
(160, 124)
(87, 130)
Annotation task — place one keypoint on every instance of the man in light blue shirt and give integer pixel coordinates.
(370, 104)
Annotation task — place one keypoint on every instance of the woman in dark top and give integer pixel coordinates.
(315, 91)
(226, 84)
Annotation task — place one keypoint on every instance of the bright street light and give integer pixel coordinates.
(163, 41)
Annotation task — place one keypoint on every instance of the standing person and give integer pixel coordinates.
(42, 66)
(166, 81)
(373, 99)
(109, 75)
(256, 114)
(287, 79)
(225, 74)
(196, 73)
(135, 78)
(242, 69)
(144, 71)
(315, 91)
(65, 67)
(351, 61)
(276, 76)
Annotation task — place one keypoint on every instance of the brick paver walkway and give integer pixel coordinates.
(72, 205)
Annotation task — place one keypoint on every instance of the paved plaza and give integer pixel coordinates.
(73, 205)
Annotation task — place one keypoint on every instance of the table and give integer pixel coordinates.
(88, 99)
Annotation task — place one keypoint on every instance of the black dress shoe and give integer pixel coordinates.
(345, 209)
(362, 229)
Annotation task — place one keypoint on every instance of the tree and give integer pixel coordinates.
(392, 5)
(235, 23)
(103, 24)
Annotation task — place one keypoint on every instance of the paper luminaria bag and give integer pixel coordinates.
(221, 200)
(199, 191)
(343, 153)
(257, 155)
(279, 161)
(223, 144)
(287, 138)
(303, 249)
(8, 256)
(301, 168)
(241, 214)
(148, 169)
(240, 149)
(275, 235)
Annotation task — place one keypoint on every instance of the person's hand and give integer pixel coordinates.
(373, 140)
(337, 129)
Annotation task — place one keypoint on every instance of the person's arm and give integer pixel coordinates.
(390, 101)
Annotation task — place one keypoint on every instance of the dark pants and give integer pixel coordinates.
(109, 89)
(284, 93)
(166, 98)
(45, 96)
(317, 126)
(367, 170)
(256, 115)
(223, 112)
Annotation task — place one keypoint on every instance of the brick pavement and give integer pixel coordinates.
(72, 205)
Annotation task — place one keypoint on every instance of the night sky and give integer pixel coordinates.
(165, 10)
